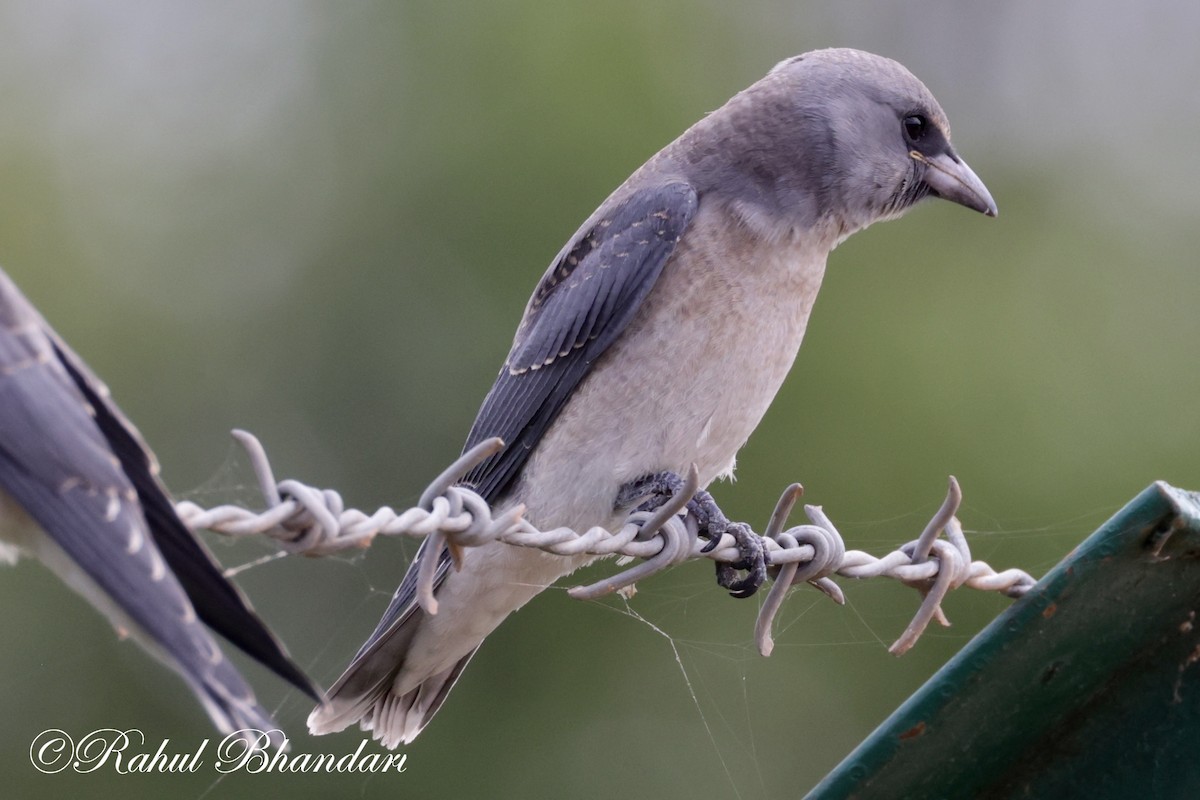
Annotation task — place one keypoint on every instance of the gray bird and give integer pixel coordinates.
(79, 490)
(657, 339)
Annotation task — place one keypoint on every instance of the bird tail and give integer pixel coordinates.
(366, 692)
(402, 674)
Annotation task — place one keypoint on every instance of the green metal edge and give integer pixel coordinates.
(1089, 686)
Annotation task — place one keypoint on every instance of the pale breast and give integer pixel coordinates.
(691, 377)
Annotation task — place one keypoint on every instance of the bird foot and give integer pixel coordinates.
(656, 489)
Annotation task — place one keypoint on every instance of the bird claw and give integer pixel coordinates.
(710, 523)
(754, 562)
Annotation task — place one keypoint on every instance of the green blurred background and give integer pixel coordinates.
(321, 221)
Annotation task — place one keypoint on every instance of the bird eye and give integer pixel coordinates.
(914, 127)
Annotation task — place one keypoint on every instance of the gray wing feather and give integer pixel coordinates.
(79, 470)
(583, 303)
(217, 601)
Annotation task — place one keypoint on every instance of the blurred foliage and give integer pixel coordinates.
(321, 221)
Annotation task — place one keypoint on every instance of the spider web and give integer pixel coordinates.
(693, 645)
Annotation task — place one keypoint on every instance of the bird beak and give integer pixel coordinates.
(949, 178)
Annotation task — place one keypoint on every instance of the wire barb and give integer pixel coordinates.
(314, 522)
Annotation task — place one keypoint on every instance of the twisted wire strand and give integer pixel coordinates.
(315, 522)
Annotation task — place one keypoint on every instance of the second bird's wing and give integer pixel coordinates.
(79, 469)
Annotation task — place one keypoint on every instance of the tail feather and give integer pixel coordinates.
(396, 719)
(368, 678)
(403, 673)
(366, 691)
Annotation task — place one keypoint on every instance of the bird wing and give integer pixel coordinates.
(582, 304)
(79, 468)
(589, 294)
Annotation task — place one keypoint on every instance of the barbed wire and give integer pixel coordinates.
(315, 522)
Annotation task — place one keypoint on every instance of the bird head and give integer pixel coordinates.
(880, 136)
(833, 135)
